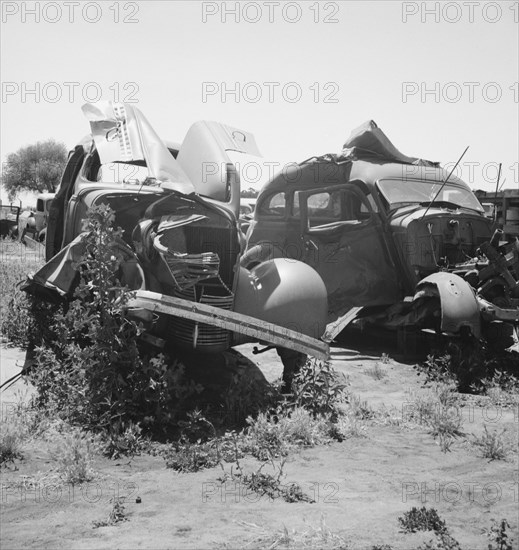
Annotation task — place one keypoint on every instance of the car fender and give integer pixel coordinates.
(284, 292)
(58, 278)
(459, 305)
(259, 253)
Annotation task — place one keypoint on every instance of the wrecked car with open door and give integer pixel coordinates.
(398, 241)
(181, 243)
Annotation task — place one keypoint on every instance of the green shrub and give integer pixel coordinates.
(473, 367)
(318, 388)
(117, 514)
(422, 519)
(442, 541)
(491, 445)
(10, 444)
(498, 535)
(74, 452)
(16, 321)
(88, 367)
(185, 456)
(266, 484)
(274, 433)
(124, 441)
(437, 409)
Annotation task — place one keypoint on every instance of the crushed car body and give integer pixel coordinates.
(181, 243)
(398, 241)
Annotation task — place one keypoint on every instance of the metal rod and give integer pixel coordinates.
(497, 189)
(446, 180)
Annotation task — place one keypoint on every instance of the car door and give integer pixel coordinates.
(342, 237)
(58, 206)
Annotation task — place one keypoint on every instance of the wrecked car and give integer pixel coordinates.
(9, 220)
(41, 214)
(398, 241)
(181, 244)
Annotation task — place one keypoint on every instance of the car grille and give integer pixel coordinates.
(216, 291)
(199, 335)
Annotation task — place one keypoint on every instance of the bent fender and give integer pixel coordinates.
(459, 306)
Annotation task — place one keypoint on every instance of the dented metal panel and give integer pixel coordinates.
(459, 306)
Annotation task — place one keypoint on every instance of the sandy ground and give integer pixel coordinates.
(360, 485)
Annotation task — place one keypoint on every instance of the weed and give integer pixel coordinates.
(124, 441)
(265, 437)
(196, 427)
(359, 409)
(422, 519)
(19, 422)
(442, 541)
(502, 388)
(184, 456)
(438, 368)
(445, 425)
(499, 539)
(10, 444)
(388, 416)
(310, 537)
(88, 367)
(117, 514)
(347, 427)
(437, 409)
(446, 394)
(427, 519)
(376, 372)
(262, 483)
(74, 453)
(473, 366)
(318, 388)
(274, 433)
(491, 445)
(14, 304)
(266, 484)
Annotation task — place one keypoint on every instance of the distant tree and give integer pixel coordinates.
(36, 168)
(249, 193)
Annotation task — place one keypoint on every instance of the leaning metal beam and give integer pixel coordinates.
(230, 320)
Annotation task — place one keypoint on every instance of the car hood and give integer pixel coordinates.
(123, 134)
(406, 215)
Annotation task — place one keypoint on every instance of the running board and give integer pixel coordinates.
(232, 321)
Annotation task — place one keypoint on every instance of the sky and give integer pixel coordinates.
(436, 77)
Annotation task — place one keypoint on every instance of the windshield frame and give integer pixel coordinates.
(393, 205)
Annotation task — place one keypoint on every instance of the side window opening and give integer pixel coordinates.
(275, 205)
(336, 205)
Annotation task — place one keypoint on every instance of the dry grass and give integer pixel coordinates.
(16, 427)
(311, 537)
(376, 372)
(16, 262)
(437, 408)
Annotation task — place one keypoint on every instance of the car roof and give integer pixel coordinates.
(330, 170)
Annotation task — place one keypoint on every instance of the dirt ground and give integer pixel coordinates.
(361, 486)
